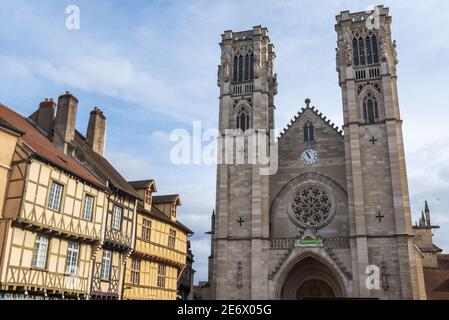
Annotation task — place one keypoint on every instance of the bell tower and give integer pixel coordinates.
(378, 199)
(246, 105)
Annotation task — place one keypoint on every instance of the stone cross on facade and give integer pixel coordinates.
(240, 221)
(373, 140)
(380, 216)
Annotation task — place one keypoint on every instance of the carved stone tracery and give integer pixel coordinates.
(312, 205)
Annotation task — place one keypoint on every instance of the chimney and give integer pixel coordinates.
(65, 122)
(44, 116)
(96, 131)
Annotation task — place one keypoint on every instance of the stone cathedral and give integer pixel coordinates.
(334, 220)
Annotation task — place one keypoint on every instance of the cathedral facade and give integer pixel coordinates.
(334, 220)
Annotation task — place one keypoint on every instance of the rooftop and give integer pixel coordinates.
(43, 148)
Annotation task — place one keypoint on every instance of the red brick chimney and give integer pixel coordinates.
(44, 116)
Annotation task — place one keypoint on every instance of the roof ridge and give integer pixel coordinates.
(316, 112)
(42, 147)
(12, 110)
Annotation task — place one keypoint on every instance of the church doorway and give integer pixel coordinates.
(311, 278)
(315, 289)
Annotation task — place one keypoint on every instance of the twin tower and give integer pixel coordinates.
(334, 220)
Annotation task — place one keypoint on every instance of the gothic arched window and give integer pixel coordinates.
(308, 131)
(235, 69)
(375, 49)
(365, 50)
(240, 73)
(369, 50)
(355, 51)
(243, 120)
(251, 68)
(361, 51)
(370, 110)
(247, 67)
(372, 51)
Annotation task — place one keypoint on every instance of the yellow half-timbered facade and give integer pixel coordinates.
(109, 264)
(51, 217)
(71, 226)
(160, 253)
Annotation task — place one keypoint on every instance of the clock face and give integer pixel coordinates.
(309, 156)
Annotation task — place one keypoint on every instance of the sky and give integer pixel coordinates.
(151, 66)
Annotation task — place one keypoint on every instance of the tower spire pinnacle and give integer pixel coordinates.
(307, 101)
(427, 213)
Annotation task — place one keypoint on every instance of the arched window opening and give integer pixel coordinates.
(355, 51)
(370, 111)
(365, 50)
(243, 120)
(235, 69)
(361, 51)
(240, 77)
(247, 67)
(308, 131)
(251, 67)
(369, 50)
(375, 49)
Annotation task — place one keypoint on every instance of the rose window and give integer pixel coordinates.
(311, 205)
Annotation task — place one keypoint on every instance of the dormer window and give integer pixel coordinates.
(148, 197)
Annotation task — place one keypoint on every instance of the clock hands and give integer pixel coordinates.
(309, 156)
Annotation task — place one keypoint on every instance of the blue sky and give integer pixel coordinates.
(152, 65)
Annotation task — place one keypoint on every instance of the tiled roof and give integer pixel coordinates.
(171, 198)
(434, 248)
(156, 213)
(142, 184)
(101, 166)
(5, 124)
(443, 261)
(44, 149)
(437, 279)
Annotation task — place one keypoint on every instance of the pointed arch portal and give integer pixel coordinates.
(310, 278)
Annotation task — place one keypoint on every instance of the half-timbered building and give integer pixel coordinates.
(51, 212)
(69, 219)
(160, 255)
(119, 223)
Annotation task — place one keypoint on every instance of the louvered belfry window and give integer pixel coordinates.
(243, 67)
(365, 50)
